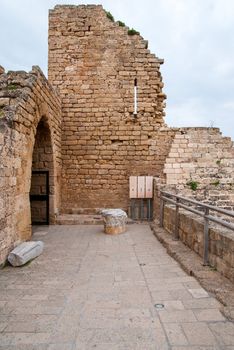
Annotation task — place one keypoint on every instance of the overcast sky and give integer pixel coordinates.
(195, 38)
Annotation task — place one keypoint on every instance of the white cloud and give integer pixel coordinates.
(195, 37)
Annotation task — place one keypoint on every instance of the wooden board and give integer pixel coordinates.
(149, 187)
(141, 187)
(133, 187)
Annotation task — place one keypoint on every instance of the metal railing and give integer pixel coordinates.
(203, 211)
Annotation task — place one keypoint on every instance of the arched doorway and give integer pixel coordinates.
(42, 180)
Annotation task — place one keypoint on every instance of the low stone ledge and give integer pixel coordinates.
(192, 263)
(221, 239)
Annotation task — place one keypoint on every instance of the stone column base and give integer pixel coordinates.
(115, 230)
(114, 221)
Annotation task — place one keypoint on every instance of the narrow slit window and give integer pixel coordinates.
(135, 97)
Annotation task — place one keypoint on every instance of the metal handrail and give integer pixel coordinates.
(176, 200)
(193, 201)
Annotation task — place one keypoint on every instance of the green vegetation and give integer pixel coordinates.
(133, 32)
(121, 24)
(218, 162)
(110, 16)
(193, 185)
(12, 86)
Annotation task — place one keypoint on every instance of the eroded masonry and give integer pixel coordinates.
(83, 129)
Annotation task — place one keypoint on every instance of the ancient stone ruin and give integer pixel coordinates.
(81, 127)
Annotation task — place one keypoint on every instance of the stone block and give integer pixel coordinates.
(25, 252)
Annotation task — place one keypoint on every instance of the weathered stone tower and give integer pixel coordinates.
(104, 123)
(93, 62)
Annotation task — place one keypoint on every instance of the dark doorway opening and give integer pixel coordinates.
(40, 197)
(42, 180)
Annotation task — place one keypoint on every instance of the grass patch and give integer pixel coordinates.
(121, 24)
(193, 185)
(133, 32)
(12, 87)
(110, 16)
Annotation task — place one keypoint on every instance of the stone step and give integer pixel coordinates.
(79, 219)
(81, 211)
(84, 219)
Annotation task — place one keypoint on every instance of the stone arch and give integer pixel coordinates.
(42, 160)
(40, 154)
(32, 111)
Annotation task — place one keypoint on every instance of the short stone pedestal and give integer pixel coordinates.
(114, 221)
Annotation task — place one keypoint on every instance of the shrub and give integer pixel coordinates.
(12, 86)
(193, 185)
(110, 16)
(133, 32)
(121, 24)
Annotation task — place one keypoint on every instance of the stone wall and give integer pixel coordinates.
(221, 240)
(92, 142)
(201, 164)
(25, 100)
(93, 63)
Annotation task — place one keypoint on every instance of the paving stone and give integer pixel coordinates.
(2, 326)
(5, 339)
(224, 332)
(29, 338)
(22, 327)
(136, 322)
(198, 333)
(142, 345)
(213, 347)
(177, 316)
(60, 346)
(99, 297)
(159, 296)
(173, 305)
(181, 294)
(35, 297)
(198, 293)
(102, 346)
(25, 347)
(175, 334)
(154, 286)
(209, 315)
(133, 312)
(65, 329)
(37, 310)
(210, 303)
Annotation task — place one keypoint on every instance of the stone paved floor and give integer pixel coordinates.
(93, 291)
